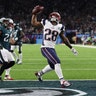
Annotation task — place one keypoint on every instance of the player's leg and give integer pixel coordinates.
(1, 71)
(11, 61)
(19, 48)
(7, 74)
(46, 69)
(3, 58)
(13, 47)
(5, 62)
(52, 57)
(7, 71)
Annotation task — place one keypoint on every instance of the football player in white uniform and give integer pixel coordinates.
(51, 30)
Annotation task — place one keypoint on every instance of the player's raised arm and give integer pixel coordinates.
(37, 10)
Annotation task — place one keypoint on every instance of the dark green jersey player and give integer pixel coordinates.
(8, 60)
(4, 37)
(17, 34)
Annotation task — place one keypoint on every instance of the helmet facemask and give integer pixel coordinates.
(55, 17)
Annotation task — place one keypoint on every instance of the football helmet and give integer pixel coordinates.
(55, 16)
(4, 21)
(11, 24)
(1, 19)
(11, 21)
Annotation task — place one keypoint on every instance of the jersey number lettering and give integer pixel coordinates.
(6, 37)
(51, 35)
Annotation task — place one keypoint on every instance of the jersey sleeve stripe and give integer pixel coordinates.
(43, 21)
(62, 28)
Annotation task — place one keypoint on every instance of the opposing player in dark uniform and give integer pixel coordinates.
(51, 30)
(17, 35)
(4, 41)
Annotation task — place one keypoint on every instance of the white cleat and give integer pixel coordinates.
(7, 77)
(20, 62)
(17, 60)
(65, 84)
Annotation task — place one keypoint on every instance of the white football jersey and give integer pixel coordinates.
(50, 33)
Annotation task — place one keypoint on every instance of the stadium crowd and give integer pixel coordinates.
(76, 14)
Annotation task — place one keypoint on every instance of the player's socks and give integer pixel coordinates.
(20, 57)
(7, 71)
(58, 71)
(46, 69)
(15, 55)
(43, 71)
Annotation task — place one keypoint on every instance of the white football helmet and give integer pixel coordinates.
(11, 24)
(2, 19)
(11, 21)
(55, 16)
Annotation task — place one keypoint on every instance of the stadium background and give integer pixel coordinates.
(79, 16)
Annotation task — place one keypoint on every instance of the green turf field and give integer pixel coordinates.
(79, 67)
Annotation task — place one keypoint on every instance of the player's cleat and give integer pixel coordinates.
(7, 77)
(17, 60)
(20, 62)
(38, 76)
(65, 84)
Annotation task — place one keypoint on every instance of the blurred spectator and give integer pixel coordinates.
(80, 15)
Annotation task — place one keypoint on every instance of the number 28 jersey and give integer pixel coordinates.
(50, 33)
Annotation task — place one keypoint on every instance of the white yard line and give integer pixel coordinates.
(51, 80)
(70, 69)
(87, 46)
(34, 63)
(61, 59)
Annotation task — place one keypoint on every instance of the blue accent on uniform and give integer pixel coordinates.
(43, 21)
(62, 27)
(43, 41)
(50, 55)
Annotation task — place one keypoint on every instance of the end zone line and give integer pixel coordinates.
(50, 80)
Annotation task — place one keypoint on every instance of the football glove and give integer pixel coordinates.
(74, 51)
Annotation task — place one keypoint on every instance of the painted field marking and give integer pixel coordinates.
(42, 91)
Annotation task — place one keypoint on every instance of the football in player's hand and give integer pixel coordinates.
(37, 9)
(12, 41)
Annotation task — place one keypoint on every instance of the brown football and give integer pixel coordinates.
(37, 9)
